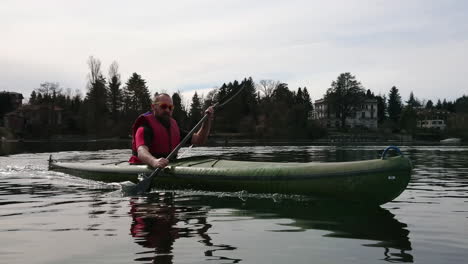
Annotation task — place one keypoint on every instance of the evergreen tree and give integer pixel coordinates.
(281, 113)
(137, 95)
(369, 94)
(195, 113)
(344, 95)
(429, 105)
(33, 98)
(444, 105)
(249, 107)
(439, 105)
(451, 107)
(96, 98)
(300, 110)
(408, 119)
(412, 101)
(381, 108)
(461, 104)
(179, 113)
(39, 98)
(307, 100)
(395, 105)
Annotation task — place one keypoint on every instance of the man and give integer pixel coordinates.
(155, 133)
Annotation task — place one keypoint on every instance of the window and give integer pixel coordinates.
(363, 115)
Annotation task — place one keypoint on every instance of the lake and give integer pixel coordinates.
(51, 217)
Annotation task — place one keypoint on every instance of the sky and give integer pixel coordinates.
(419, 46)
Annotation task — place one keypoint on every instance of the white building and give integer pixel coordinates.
(432, 124)
(364, 115)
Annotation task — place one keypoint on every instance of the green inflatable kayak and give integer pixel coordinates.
(371, 181)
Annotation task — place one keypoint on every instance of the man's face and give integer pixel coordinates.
(163, 107)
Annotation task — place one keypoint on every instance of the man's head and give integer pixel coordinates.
(162, 105)
(162, 108)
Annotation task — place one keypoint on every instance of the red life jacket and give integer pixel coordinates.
(163, 140)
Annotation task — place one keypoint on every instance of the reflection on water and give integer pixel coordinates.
(157, 221)
(157, 218)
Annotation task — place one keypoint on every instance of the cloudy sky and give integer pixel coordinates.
(416, 45)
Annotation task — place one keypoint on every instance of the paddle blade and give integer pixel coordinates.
(144, 185)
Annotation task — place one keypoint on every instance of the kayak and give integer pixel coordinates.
(374, 181)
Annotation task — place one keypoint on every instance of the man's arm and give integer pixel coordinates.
(143, 138)
(201, 136)
(145, 156)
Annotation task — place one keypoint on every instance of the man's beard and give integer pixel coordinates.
(165, 120)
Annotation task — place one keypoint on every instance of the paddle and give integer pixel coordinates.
(145, 184)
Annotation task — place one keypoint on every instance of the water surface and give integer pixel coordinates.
(51, 217)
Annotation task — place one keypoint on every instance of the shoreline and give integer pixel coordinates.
(17, 146)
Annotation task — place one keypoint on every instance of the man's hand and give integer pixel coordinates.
(159, 163)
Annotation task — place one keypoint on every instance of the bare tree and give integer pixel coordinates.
(267, 87)
(94, 74)
(115, 92)
(49, 88)
(114, 70)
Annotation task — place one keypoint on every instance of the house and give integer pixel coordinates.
(432, 124)
(432, 119)
(364, 115)
(14, 99)
(9, 101)
(33, 119)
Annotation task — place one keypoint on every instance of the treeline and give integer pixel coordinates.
(267, 109)
(403, 116)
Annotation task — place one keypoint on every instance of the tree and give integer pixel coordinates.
(137, 95)
(439, 105)
(381, 108)
(96, 98)
(115, 92)
(195, 113)
(300, 111)
(48, 92)
(412, 101)
(344, 96)
(307, 100)
(267, 87)
(248, 106)
(395, 105)
(240, 114)
(429, 105)
(279, 112)
(33, 98)
(408, 118)
(179, 113)
(461, 104)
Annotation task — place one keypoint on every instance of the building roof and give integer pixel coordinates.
(12, 93)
